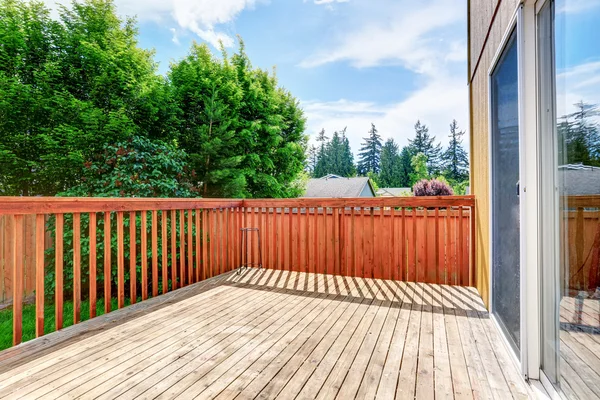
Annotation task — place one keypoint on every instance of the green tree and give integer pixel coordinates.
(405, 168)
(455, 159)
(423, 142)
(335, 156)
(419, 165)
(67, 88)
(271, 132)
(389, 176)
(370, 153)
(581, 136)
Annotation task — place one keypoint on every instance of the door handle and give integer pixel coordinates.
(518, 188)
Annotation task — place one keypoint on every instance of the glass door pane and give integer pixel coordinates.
(506, 276)
(569, 78)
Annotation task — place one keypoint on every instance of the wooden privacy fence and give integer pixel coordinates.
(99, 249)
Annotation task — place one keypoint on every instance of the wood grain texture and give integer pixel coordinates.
(280, 334)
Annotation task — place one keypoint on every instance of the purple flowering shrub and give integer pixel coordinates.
(432, 187)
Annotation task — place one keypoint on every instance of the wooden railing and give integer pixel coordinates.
(132, 249)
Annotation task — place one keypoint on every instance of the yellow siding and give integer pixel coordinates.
(480, 19)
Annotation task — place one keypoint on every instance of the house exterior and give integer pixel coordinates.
(393, 192)
(533, 130)
(337, 186)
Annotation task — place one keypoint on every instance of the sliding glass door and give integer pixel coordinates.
(506, 277)
(569, 125)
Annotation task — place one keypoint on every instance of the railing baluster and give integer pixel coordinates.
(17, 279)
(461, 268)
(143, 254)
(204, 273)
(120, 262)
(154, 253)
(182, 280)
(76, 268)
(438, 277)
(198, 264)
(393, 253)
(92, 264)
(58, 271)
(163, 237)
(107, 263)
(133, 257)
(190, 259)
(473, 254)
(403, 262)
(174, 284)
(40, 231)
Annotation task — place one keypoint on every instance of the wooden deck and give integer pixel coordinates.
(580, 348)
(274, 334)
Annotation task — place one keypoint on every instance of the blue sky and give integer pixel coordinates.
(349, 62)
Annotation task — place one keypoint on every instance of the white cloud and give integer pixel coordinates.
(205, 18)
(578, 83)
(578, 6)
(435, 104)
(404, 33)
(329, 1)
(427, 38)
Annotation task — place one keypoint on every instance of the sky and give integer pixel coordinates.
(349, 62)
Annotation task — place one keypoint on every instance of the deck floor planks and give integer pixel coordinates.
(460, 375)
(187, 371)
(280, 334)
(441, 356)
(234, 365)
(407, 379)
(159, 346)
(224, 335)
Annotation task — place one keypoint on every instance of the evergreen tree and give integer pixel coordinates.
(423, 142)
(370, 153)
(312, 159)
(347, 157)
(456, 161)
(405, 168)
(335, 157)
(580, 135)
(390, 165)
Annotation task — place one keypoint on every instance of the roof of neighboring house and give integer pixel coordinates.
(579, 179)
(393, 192)
(337, 186)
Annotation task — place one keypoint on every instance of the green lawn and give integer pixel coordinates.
(29, 319)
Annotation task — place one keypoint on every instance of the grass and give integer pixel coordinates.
(6, 316)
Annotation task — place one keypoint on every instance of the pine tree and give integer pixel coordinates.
(423, 143)
(456, 161)
(405, 169)
(335, 156)
(347, 158)
(311, 160)
(581, 135)
(390, 165)
(370, 153)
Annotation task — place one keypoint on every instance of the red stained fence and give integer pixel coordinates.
(140, 248)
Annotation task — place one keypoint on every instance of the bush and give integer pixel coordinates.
(136, 168)
(432, 187)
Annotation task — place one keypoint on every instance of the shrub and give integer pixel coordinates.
(432, 187)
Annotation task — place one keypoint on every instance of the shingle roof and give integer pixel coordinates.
(336, 187)
(579, 179)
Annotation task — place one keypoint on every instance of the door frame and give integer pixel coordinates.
(523, 21)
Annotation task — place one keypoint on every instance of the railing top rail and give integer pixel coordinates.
(54, 205)
(57, 205)
(434, 201)
(586, 201)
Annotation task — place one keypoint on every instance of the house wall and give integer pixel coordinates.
(367, 192)
(488, 22)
